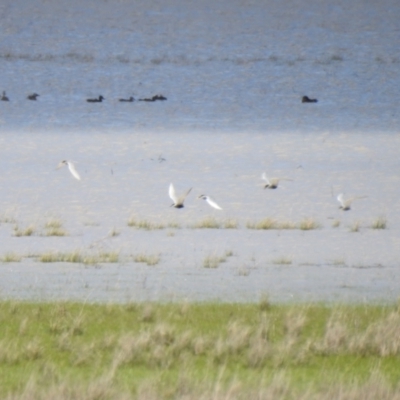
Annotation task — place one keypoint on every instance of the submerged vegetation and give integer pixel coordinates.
(199, 350)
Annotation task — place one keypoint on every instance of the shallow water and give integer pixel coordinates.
(234, 74)
(122, 178)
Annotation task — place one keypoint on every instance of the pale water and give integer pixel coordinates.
(233, 74)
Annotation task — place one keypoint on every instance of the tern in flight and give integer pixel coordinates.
(345, 205)
(178, 201)
(272, 183)
(210, 201)
(71, 168)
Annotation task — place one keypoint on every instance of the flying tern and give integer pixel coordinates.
(345, 205)
(71, 168)
(272, 183)
(178, 201)
(210, 201)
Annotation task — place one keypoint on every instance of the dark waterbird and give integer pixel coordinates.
(127, 100)
(306, 99)
(98, 100)
(154, 98)
(4, 96)
(33, 96)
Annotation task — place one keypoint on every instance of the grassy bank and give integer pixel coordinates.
(198, 351)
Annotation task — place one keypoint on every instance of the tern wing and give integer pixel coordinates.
(172, 193)
(73, 171)
(265, 178)
(340, 199)
(61, 164)
(183, 197)
(212, 203)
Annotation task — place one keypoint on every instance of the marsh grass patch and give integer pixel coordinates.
(379, 223)
(134, 222)
(54, 227)
(355, 226)
(53, 224)
(144, 224)
(284, 260)
(11, 257)
(27, 231)
(230, 224)
(206, 223)
(270, 223)
(148, 259)
(309, 224)
(214, 260)
(266, 223)
(55, 232)
(79, 257)
(339, 262)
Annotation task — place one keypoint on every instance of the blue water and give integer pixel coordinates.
(232, 66)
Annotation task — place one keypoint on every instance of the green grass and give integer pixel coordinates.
(198, 350)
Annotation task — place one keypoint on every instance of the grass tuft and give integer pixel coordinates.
(270, 223)
(28, 231)
(282, 261)
(144, 224)
(213, 261)
(149, 259)
(379, 223)
(355, 227)
(11, 257)
(79, 257)
(207, 223)
(267, 223)
(309, 224)
(230, 224)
